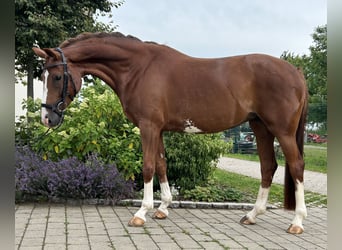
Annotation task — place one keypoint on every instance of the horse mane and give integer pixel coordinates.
(89, 35)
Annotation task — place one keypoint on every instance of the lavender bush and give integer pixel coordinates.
(69, 178)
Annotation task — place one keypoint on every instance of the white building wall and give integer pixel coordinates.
(21, 94)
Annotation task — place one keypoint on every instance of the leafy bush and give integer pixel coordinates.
(69, 178)
(213, 193)
(94, 123)
(192, 158)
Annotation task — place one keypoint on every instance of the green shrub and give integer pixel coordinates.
(192, 158)
(94, 123)
(213, 193)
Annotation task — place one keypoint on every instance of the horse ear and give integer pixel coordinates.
(39, 52)
(46, 52)
(52, 53)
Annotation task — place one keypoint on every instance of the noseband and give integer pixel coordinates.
(57, 107)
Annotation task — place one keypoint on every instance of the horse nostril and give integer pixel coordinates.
(49, 121)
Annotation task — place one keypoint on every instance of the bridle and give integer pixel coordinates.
(57, 107)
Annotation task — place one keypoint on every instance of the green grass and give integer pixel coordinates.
(317, 144)
(315, 158)
(250, 187)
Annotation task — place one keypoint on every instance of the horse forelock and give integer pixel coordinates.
(88, 35)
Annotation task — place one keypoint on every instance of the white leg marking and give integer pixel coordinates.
(147, 202)
(45, 121)
(166, 197)
(300, 212)
(260, 204)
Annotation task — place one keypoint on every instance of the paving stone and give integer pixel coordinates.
(210, 245)
(117, 232)
(168, 246)
(122, 241)
(35, 234)
(36, 227)
(146, 245)
(55, 239)
(54, 247)
(78, 247)
(253, 245)
(55, 232)
(201, 237)
(230, 244)
(31, 248)
(27, 242)
(101, 246)
(77, 240)
(56, 225)
(162, 238)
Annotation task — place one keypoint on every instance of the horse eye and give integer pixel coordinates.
(58, 77)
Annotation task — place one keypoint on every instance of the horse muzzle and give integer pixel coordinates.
(51, 119)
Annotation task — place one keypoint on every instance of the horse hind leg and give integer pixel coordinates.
(268, 163)
(294, 183)
(166, 197)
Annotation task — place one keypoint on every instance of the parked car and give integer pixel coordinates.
(246, 144)
(317, 138)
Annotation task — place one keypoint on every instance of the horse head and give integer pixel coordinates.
(60, 79)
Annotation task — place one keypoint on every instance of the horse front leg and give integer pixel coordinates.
(150, 140)
(166, 197)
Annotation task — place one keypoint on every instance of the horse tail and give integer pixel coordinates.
(289, 185)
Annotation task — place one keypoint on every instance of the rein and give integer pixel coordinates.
(57, 107)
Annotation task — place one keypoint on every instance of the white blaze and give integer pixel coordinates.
(44, 99)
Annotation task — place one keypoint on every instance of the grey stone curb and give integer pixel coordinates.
(198, 205)
(174, 204)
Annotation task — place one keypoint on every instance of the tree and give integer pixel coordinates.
(47, 23)
(317, 78)
(314, 67)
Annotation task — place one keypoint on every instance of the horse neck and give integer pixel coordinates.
(111, 62)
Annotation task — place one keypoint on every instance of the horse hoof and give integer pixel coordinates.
(293, 229)
(245, 221)
(159, 215)
(136, 222)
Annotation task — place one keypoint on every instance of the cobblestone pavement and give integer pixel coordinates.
(61, 226)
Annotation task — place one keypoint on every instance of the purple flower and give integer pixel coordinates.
(69, 178)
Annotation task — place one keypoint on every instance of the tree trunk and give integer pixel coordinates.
(30, 74)
(30, 80)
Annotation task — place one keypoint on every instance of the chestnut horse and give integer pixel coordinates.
(161, 89)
